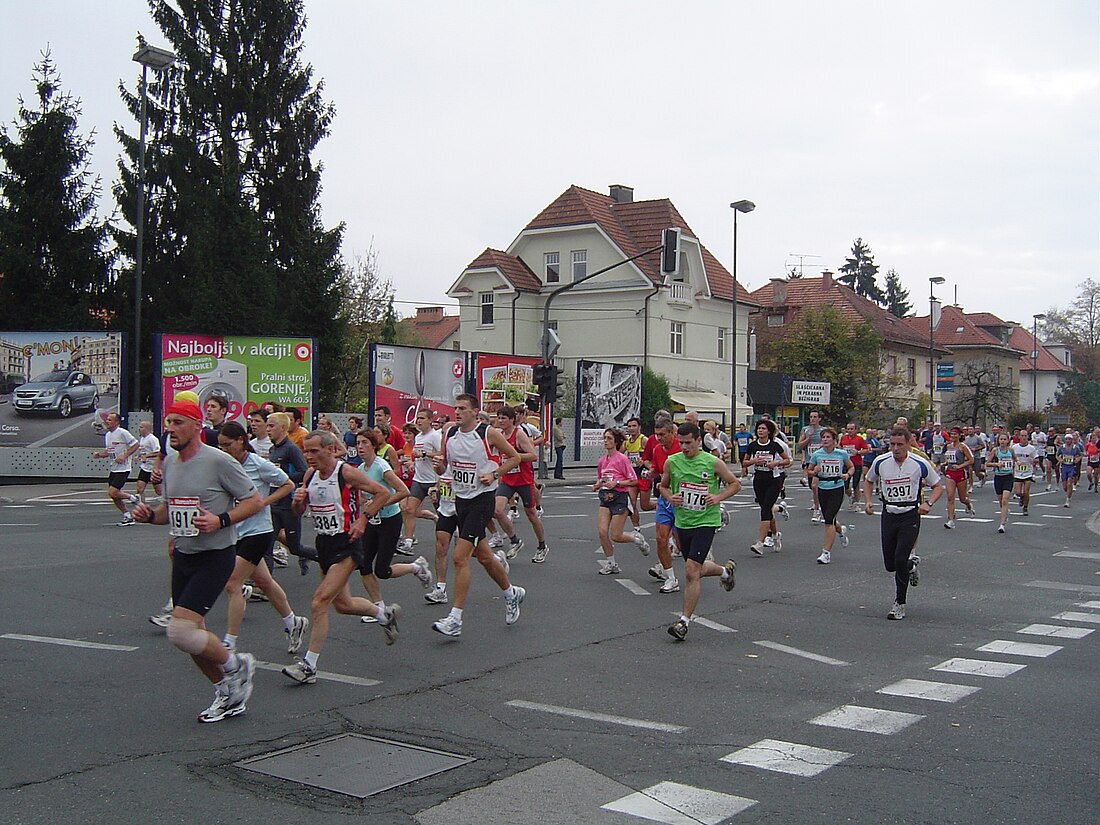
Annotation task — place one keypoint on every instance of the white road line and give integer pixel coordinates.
(20, 524)
(674, 804)
(1070, 586)
(977, 520)
(51, 640)
(322, 674)
(932, 691)
(18, 506)
(51, 496)
(1077, 554)
(1091, 605)
(786, 757)
(633, 587)
(794, 651)
(1048, 505)
(1074, 616)
(1051, 515)
(867, 720)
(575, 713)
(1056, 631)
(62, 505)
(1019, 649)
(978, 667)
(1025, 523)
(721, 628)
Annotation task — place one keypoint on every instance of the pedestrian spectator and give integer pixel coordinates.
(558, 435)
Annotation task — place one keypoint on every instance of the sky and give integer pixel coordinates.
(958, 139)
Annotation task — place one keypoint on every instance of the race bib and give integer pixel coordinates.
(694, 496)
(1006, 464)
(326, 520)
(898, 490)
(1051, 450)
(634, 458)
(445, 491)
(353, 452)
(464, 474)
(830, 468)
(182, 512)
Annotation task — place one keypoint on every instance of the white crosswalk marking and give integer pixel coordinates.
(786, 757)
(867, 720)
(633, 587)
(1019, 649)
(1074, 616)
(978, 667)
(1077, 554)
(932, 691)
(1091, 605)
(1056, 631)
(675, 804)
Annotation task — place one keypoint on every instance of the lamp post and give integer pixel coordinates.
(1035, 319)
(150, 57)
(933, 282)
(745, 207)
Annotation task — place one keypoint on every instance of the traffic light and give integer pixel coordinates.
(670, 252)
(546, 378)
(540, 373)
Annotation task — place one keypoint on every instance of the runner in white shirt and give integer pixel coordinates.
(149, 458)
(427, 446)
(1024, 453)
(120, 446)
(261, 441)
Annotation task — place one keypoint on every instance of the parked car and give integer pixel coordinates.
(57, 391)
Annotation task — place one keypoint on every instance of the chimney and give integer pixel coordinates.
(622, 194)
(429, 315)
(826, 279)
(779, 292)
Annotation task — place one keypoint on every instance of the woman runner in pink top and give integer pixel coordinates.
(614, 478)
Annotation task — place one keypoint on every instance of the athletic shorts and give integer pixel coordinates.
(144, 475)
(447, 524)
(617, 501)
(117, 480)
(524, 491)
(831, 501)
(1068, 472)
(644, 484)
(666, 514)
(958, 476)
(334, 549)
(1026, 480)
(199, 578)
(254, 548)
(379, 546)
(695, 542)
(419, 489)
(474, 514)
(1002, 484)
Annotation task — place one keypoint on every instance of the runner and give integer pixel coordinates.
(206, 494)
(900, 477)
(331, 492)
(666, 445)
(856, 447)
(518, 482)
(809, 440)
(216, 409)
(426, 447)
(614, 478)
(355, 424)
(765, 459)
(1025, 454)
(955, 461)
(1051, 454)
(261, 441)
(831, 469)
(1092, 461)
(120, 446)
(255, 536)
(975, 441)
(443, 496)
(634, 445)
(148, 457)
(297, 431)
(1069, 462)
(690, 483)
(393, 433)
(1003, 460)
(467, 452)
(285, 455)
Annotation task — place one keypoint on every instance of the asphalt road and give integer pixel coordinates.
(586, 702)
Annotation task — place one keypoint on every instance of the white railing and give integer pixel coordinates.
(680, 293)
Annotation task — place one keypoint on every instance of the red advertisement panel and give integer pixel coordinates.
(504, 379)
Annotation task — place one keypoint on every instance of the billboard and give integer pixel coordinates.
(245, 371)
(811, 392)
(945, 376)
(410, 379)
(504, 379)
(53, 383)
(608, 395)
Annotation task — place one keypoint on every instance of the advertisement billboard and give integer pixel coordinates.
(504, 379)
(410, 379)
(608, 395)
(245, 371)
(53, 383)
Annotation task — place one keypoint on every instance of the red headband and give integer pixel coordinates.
(188, 409)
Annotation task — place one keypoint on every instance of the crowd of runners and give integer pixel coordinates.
(234, 498)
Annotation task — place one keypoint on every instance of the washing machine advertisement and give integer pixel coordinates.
(246, 372)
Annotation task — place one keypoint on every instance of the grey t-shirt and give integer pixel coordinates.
(212, 480)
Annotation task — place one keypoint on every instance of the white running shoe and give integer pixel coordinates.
(513, 548)
(405, 547)
(825, 557)
(540, 554)
(817, 518)
(897, 612)
(162, 618)
(641, 543)
(368, 620)
(769, 541)
(843, 536)
(495, 540)
(781, 506)
(424, 574)
(757, 548)
(657, 572)
(240, 681)
(609, 567)
(296, 634)
(301, 672)
(511, 606)
(949, 524)
(1000, 528)
(246, 591)
(220, 708)
(128, 520)
(436, 596)
(389, 622)
(670, 586)
(448, 626)
(778, 542)
(502, 557)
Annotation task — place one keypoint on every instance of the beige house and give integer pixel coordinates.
(629, 315)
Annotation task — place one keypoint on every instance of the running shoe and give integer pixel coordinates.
(679, 630)
(240, 681)
(424, 574)
(538, 511)
(246, 591)
(914, 573)
(162, 618)
(843, 536)
(781, 506)
(669, 586)
(126, 520)
(970, 511)
(280, 555)
(726, 517)
(778, 542)
(295, 635)
(540, 554)
(513, 511)
(388, 622)
(436, 596)
(372, 619)
(511, 606)
(949, 524)
(769, 541)
(220, 708)
(448, 626)
(897, 612)
(641, 543)
(609, 567)
(730, 581)
(657, 572)
(758, 548)
(503, 559)
(301, 672)
(303, 565)
(1066, 504)
(1000, 528)
(495, 540)
(817, 518)
(514, 548)
(825, 557)
(405, 547)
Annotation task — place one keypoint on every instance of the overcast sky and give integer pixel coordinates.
(959, 139)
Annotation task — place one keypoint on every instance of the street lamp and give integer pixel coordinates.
(933, 282)
(1035, 319)
(150, 57)
(745, 207)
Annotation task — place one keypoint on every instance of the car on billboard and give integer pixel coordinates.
(56, 391)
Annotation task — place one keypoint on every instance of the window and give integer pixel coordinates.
(911, 372)
(456, 345)
(486, 309)
(775, 320)
(676, 338)
(552, 266)
(892, 364)
(722, 343)
(1010, 378)
(580, 263)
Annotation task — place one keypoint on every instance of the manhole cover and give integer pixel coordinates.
(354, 764)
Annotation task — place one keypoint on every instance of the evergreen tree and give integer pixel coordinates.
(234, 242)
(860, 271)
(54, 272)
(897, 297)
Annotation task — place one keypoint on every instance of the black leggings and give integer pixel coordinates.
(899, 535)
(831, 501)
(766, 486)
(379, 545)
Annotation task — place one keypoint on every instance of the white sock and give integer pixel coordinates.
(685, 619)
(288, 621)
(725, 574)
(456, 613)
(230, 642)
(311, 659)
(670, 574)
(381, 614)
(510, 593)
(232, 663)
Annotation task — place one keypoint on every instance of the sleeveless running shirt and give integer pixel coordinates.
(332, 504)
(469, 458)
(521, 476)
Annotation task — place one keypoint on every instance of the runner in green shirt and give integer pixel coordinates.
(690, 483)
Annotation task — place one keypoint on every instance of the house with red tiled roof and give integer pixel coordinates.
(432, 328)
(904, 355)
(1043, 368)
(680, 327)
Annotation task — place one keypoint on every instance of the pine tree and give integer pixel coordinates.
(54, 271)
(897, 297)
(860, 271)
